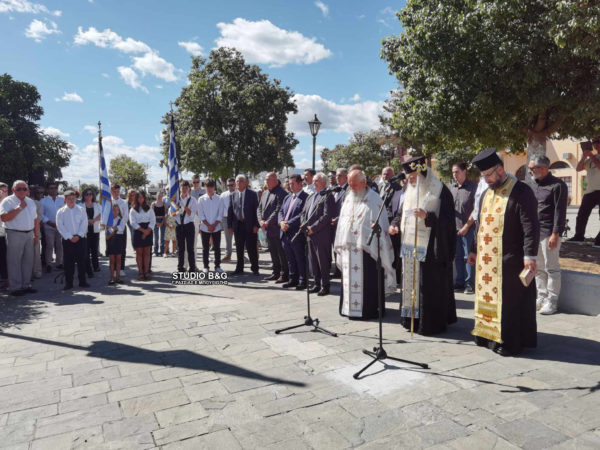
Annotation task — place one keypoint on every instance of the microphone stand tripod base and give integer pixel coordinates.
(379, 354)
(308, 322)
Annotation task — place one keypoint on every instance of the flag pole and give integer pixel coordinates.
(99, 163)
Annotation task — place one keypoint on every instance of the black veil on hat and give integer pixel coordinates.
(408, 166)
(487, 159)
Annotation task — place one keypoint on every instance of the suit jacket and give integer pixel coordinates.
(250, 206)
(339, 200)
(320, 223)
(268, 209)
(295, 215)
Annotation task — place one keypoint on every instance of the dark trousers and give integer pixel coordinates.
(320, 256)
(588, 203)
(3, 267)
(280, 264)
(396, 243)
(74, 253)
(296, 257)
(245, 239)
(93, 240)
(464, 274)
(216, 236)
(124, 250)
(185, 241)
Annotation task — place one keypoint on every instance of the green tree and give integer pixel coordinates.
(128, 172)
(93, 187)
(231, 118)
(497, 73)
(23, 147)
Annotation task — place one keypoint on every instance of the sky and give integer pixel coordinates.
(122, 62)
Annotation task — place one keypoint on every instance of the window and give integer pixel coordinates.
(559, 165)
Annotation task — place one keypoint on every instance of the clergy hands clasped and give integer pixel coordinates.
(393, 230)
(420, 213)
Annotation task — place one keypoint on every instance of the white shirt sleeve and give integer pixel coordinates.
(152, 221)
(82, 232)
(133, 219)
(61, 224)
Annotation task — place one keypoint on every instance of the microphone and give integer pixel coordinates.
(331, 190)
(400, 176)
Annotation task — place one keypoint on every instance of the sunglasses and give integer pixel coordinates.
(88, 194)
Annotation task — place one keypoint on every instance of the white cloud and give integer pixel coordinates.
(306, 162)
(154, 65)
(334, 117)
(192, 47)
(110, 39)
(130, 77)
(54, 131)
(91, 129)
(70, 97)
(323, 7)
(388, 17)
(355, 98)
(105, 75)
(24, 6)
(263, 42)
(38, 30)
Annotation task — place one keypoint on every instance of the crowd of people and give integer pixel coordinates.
(433, 239)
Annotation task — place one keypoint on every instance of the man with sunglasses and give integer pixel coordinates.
(551, 194)
(50, 205)
(19, 215)
(225, 198)
(507, 241)
(589, 162)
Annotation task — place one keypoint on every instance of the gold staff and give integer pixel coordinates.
(417, 168)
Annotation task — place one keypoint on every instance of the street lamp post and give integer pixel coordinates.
(314, 125)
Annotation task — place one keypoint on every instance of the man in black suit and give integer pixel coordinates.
(316, 216)
(268, 210)
(341, 176)
(243, 223)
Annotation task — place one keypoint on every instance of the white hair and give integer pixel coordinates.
(17, 182)
(241, 177)
(320, 176)
(361, 175)
(341, 170)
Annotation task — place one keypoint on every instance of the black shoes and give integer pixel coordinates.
(17, 292)
(459, 288)
(289, 284)
(469, 290)
(67, 287)
(29, 290)
(576, 240)
(503, 351)
(84, 285)
(324, 291)
(301, 287)
(48, 269)
(271, 278)
(314, 289)
(281, 280)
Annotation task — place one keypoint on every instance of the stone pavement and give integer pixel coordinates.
(152, 365)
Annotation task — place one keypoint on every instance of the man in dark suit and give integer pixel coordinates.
(341, 176)
(268, 211)
(289, 222)
(316, 215)
(243, 223)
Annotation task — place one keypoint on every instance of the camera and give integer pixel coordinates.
(586, 146)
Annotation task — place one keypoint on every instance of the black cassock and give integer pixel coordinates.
(521, 237)
(437, 305)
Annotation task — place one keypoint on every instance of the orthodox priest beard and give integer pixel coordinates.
(356, 197)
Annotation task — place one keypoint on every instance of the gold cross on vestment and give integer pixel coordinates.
(487, 278)
(487, 239)
(487, 297)
(489, 219)
(486, 258)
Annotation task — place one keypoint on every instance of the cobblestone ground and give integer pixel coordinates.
(151, 365)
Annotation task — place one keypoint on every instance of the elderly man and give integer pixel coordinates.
(428, 244)
(268, 212)
(3, 267)
(551, 194)
(243, 222)
(19, 215)
(341, 176)
(508, 237)
(185, 229)
(316, 217)
(50, 205)
(289, 222)
(356, 259)
(72, 224)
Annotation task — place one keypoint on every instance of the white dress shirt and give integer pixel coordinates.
(136, 218)
(71, 222)
(309, 189)
(119, 223)
(210, 209)
(226, 199)
(192, 205)
(25, 220)
(122, 206)
(50, 208)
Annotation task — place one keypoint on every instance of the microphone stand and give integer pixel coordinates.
(378, 353)
(308, 320)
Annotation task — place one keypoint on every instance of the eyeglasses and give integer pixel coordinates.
(532, 169)
(487, 175)
(88, 194)
(20, 189)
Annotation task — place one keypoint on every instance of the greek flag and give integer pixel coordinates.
(173, 172)
(106, 215)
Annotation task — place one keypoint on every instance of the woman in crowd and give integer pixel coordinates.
(159, 209)
(92, 210)
(114, 244)
(170, 235)
(142, 221)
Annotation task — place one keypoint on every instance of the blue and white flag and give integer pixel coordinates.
(106, 216)
(173, 172)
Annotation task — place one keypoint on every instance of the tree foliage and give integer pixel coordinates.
(232, 118)
(496, 73)
(23, 147)
(128, 172)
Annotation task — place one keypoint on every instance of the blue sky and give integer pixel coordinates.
(121, 62)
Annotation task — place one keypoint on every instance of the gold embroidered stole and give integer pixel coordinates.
(488, 294)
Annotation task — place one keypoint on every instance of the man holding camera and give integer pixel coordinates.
(590, 162)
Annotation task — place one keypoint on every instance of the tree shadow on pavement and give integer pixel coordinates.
(186, 359)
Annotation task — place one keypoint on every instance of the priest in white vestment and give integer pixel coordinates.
(356, 259)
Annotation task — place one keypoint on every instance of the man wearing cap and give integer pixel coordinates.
(427, 221)
(508, 235)
(72, 223)
(19, 215)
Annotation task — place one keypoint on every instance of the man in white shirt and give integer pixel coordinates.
(3, 269)
(196, 192)
(225, 197)
(210, 213)
(308, 179)
(115, 192)
(50, 205)
(187, 210)
(19, 215)
(71, 223)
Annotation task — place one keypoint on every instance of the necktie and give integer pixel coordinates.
(314, 202)
(240, 209)
(289, 211)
